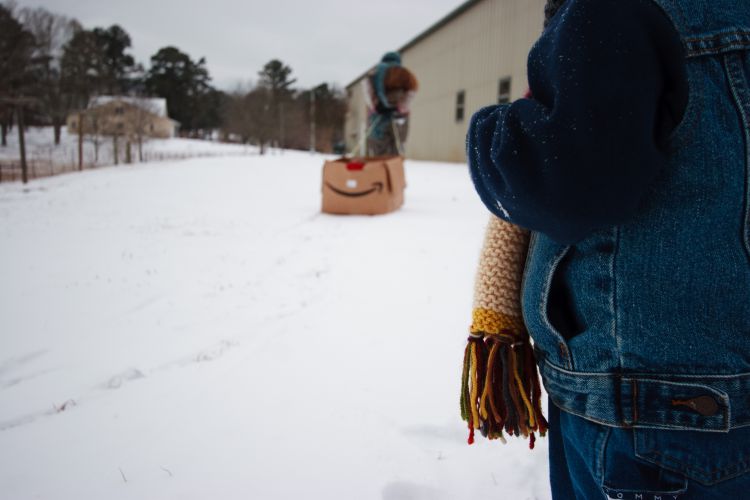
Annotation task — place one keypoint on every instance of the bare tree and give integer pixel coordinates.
(94, 127)
(237, 121)
(51, 32)
(250, 116)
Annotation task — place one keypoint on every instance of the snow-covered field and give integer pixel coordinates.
(198, 330)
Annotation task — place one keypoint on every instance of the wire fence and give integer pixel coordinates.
(11, 171)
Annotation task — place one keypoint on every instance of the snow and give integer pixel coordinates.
(197, 329)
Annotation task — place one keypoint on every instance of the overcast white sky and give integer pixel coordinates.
(322, 40)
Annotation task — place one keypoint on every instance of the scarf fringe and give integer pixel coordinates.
(500, 389)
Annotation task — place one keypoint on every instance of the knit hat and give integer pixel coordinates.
(391, 57)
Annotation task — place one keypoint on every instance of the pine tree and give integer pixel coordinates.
(16, 58)
(186, 85)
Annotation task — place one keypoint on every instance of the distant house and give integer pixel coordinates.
(124, 116)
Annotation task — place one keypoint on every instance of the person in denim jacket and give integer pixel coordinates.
(630, 166)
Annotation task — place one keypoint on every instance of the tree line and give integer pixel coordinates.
(272, 112)
(52, 66)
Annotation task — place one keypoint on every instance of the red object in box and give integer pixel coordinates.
(364, 186)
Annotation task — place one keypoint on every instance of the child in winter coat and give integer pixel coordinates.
(630, 166)
(390, 90)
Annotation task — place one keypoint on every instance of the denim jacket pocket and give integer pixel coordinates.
(543, 260)
(737, 66)
(706, 457)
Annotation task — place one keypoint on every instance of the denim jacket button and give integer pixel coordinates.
(705, 405)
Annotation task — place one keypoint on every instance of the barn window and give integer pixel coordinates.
(119, 110)
(460, 105)
(503, 91)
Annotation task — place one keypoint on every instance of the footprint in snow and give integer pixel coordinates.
(11, 364)
(215, 352)
(116, 381)
(4, 384)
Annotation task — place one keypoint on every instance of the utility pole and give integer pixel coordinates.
(312, 120)
(282, 139)
(80, 140)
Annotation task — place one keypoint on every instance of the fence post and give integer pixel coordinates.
(22, 144)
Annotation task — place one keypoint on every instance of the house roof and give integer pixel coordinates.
(155, 105)
(429, 31)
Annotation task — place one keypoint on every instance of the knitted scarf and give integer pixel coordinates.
(500, 389)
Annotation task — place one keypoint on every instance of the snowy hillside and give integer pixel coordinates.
(198, 330)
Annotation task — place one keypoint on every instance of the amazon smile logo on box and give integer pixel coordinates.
(363, 186)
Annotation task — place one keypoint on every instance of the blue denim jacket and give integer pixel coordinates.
(647, 324)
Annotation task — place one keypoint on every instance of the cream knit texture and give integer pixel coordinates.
(497, 287)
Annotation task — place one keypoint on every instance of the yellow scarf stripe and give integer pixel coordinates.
(492, 322)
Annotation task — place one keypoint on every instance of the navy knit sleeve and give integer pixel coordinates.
(582, 152)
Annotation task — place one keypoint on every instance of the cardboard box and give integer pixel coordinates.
(363, 186)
